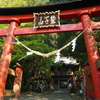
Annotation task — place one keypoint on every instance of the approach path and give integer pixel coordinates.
(60, 94)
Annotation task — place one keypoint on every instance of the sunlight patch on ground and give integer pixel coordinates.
(59, 92)
(38, 98)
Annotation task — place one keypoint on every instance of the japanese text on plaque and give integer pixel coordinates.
(47, 19)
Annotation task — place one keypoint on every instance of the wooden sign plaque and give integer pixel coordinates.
(47, 19)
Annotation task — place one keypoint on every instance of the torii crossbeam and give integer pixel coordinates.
(82, 10)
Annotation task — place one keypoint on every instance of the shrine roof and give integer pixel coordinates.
(68, 61)
(52, 7)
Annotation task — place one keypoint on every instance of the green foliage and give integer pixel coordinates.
(34, 43)
(4, 26)
(12, 3)
(36, 2)
(20, 3)
(1, 44)
(33, 64)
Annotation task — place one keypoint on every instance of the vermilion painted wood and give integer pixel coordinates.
(6, 57)
(66, 14)
(17, 82)
(91, 51)
(62, 28)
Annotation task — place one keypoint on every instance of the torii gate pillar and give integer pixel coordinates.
(6, 56)
(91, 50)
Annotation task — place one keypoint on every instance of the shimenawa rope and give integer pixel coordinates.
(51, 53)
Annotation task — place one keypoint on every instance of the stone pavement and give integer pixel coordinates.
(60, 94)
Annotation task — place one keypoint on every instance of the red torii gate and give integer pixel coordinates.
(82, 10)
